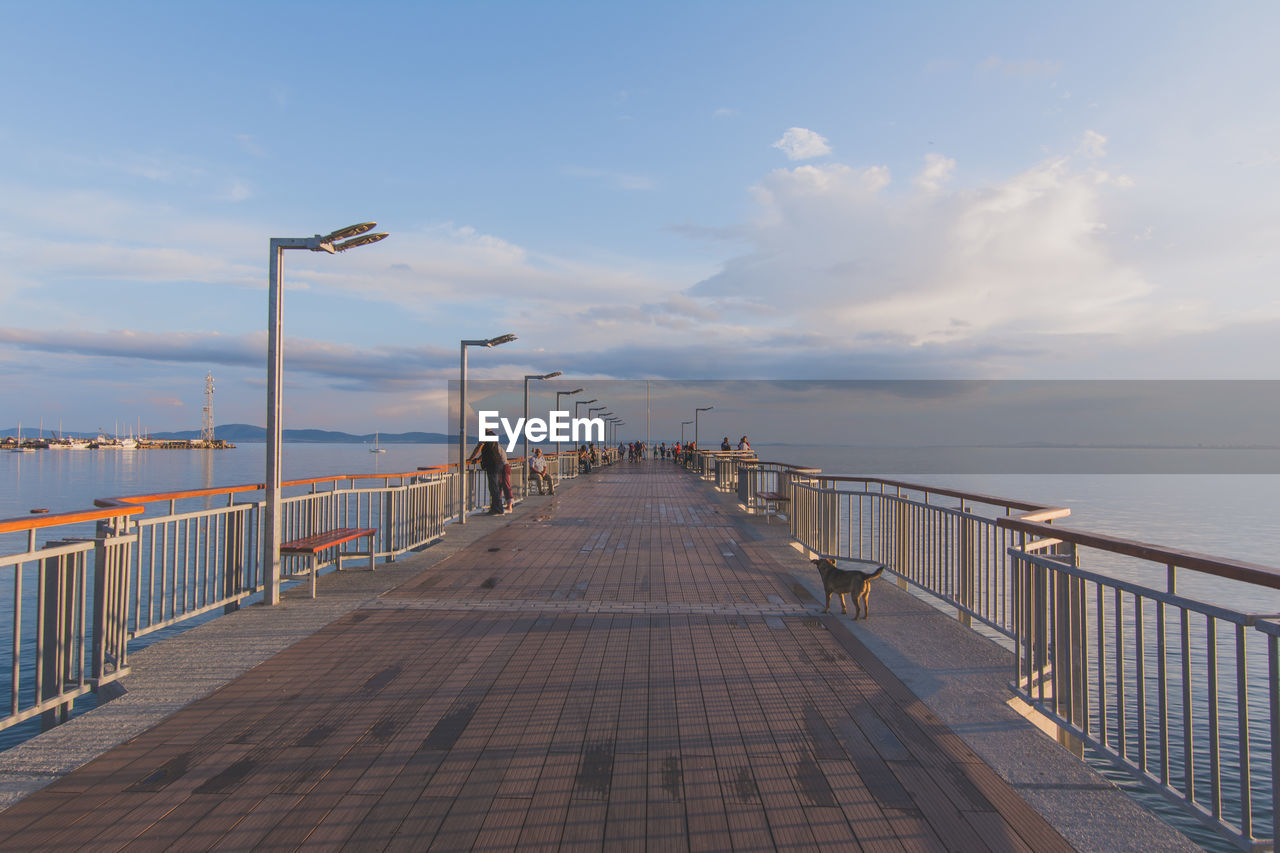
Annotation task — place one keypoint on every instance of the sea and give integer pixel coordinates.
(1217, 502)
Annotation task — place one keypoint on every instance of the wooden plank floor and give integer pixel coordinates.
(621, 667)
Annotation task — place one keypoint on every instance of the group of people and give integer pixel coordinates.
(633, 452)
(493, 461)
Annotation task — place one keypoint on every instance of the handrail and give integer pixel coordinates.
(126, 505)
(1239, 570)
(57, 519)
(976, 497)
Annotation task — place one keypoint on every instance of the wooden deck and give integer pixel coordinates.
(625, 666)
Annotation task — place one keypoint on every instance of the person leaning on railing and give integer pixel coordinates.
(493, 460)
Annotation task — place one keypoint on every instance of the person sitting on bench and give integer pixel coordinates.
(538, 471)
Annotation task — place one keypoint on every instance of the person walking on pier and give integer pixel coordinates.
(725, 445)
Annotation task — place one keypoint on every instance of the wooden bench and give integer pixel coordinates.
(771, 503)
(312, 546)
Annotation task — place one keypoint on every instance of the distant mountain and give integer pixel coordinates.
(247, 432)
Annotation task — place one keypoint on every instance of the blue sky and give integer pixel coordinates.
(670, 191)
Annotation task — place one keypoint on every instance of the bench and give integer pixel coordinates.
(771, 502)
(312, 546)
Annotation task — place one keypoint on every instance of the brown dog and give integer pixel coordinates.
(841, 581)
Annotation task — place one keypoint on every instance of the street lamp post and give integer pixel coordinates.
(604, 437)
(560, 394)
(683, 424)
(462, 417)
(338, 241)
(577, 403)
(697, 412)
(527, 377)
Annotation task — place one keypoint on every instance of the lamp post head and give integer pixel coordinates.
(350, 237)
(360, 241)
(552, 375)
(574, 391)
(704, 409)
(584, 402)
(500, 340)
(349, 231)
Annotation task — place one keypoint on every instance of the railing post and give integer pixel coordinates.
(233, 560)
(101, 569)
(110, 597)
(900, 540)
(965, 567)
(56, 626)
(831, 522)
(387, 528)
(1068, 652)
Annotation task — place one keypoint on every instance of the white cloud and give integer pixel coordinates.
(724, 112)
(800, 143)
(1025, 261)
(937, 171)
(1092, 145)
(238, 190)
(250, 145)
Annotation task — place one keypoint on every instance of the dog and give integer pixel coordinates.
(841, 581)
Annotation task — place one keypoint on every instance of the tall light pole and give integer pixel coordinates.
(560, 394)
(339, 241)
(527, 377)
(462, 418)
(604, 438)
(697, 412)
(683, 424)
(577, 403)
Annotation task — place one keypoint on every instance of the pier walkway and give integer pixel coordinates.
(631, 664)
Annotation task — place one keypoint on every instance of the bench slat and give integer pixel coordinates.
(311, 546)
(321, 541)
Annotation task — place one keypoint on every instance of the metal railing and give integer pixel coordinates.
(1140, 673)
(156, 560)
(66, 639)
(1133, 672)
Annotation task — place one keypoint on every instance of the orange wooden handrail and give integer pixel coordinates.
(116, 507)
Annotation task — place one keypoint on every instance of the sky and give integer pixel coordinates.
(662, 191)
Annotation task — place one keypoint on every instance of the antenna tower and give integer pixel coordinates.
(206, 428)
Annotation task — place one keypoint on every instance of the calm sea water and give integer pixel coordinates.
(1181, 499)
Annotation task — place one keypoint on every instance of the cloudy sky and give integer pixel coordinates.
(666, 191)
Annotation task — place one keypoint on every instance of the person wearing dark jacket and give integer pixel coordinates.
(493, 460)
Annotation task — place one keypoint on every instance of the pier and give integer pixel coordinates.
(635, 663)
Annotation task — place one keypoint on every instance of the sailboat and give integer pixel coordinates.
(376, 448)
(19, 447)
